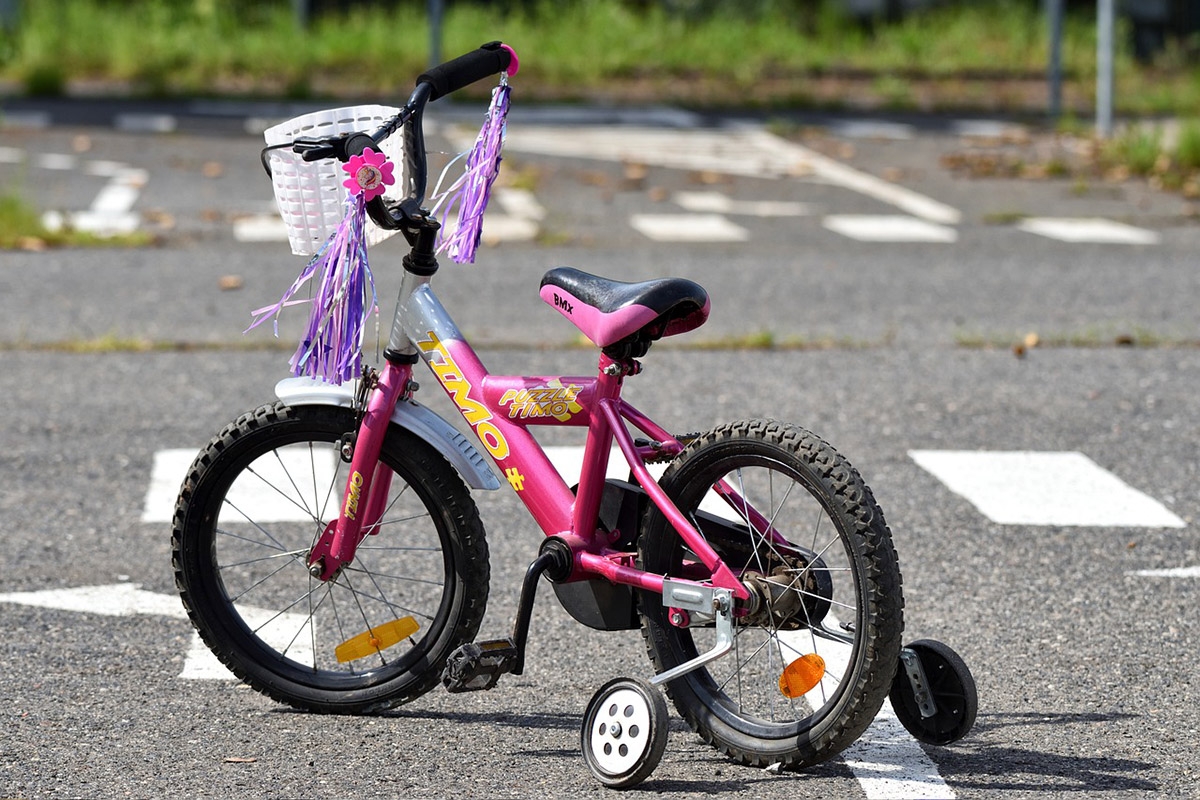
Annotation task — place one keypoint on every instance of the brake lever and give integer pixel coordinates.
(314, 149)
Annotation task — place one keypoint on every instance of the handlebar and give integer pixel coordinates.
(490, 59)
(406, 215)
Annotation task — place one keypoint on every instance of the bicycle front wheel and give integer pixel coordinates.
(816, 649)
(253, 505)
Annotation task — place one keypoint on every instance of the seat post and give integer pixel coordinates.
(585, 515)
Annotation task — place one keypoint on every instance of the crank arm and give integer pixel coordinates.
(705, 600)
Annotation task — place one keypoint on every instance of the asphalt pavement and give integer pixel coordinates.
(1081, 636)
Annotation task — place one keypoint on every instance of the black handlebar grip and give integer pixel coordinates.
(490, 59)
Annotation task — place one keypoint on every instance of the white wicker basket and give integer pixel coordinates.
(309, 194)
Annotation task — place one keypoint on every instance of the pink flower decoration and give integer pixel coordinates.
(369, 174)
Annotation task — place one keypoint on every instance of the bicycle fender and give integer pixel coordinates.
(412, 416)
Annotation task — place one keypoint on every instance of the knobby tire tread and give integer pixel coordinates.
(885, 598)
(473, 572)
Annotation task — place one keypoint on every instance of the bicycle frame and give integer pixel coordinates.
(500, 409)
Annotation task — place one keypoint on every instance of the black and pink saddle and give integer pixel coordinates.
(624, 318)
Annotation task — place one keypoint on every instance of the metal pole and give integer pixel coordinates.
(1104, 68)
(435, 32)
(302, 9)
(9, 15)
(1054, 10)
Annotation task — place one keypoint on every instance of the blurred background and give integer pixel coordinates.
(925, 55)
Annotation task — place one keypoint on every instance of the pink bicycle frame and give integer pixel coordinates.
(500, 410)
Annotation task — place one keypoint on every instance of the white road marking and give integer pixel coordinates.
(110, 213)
(890, 765)
(498, 228)
(286, 631)
(129, 600)
(258, 501)
(102, 168)
(1095, 231)
(12, 155)
(800, 159)
(201, 664)
(1032, 488)
(56, 161)
(887, 762)
(568, 460)
(117, 600)
(167, 472)
(1174, 572)
(688, 228)
(260, 228)
(718, 203)
(518, 223)
(519, 203)
(121, 192)
(737, 151)
(702, 150)
(517, 220)
(888, 228)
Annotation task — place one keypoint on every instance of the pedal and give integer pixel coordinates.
(477, 666)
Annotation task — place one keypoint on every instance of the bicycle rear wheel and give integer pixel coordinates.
(826, 584)
(255, 502)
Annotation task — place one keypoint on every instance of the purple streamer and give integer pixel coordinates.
(472, 190)
(331, 348)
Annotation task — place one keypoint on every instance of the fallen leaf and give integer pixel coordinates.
(635, 171)
(230, 283)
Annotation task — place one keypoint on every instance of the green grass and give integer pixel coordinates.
(768, 52)
(18, 221)
(1138, 149)
(21, 228)
(1187, 149)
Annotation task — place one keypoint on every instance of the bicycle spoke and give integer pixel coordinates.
(260, 582)
(257, 527)
(296, 554)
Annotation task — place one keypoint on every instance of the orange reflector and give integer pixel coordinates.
(800, 676)
(378, 638)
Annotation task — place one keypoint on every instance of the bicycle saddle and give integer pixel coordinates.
(612, 312)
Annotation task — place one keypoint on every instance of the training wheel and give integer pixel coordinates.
(948, 683)
(624, 732)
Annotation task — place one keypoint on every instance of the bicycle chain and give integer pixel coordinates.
(663, 457)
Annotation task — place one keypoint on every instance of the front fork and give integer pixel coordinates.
(367, 487)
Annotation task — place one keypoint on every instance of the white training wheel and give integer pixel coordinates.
(624, 732)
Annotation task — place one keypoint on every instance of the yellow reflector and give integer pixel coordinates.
(378, 638)
(800, 676)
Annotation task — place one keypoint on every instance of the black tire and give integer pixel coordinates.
(252, 506)
(845, 605)
(953, 690)
(624, 732)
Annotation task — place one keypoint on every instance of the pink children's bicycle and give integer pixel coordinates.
(328, 549)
